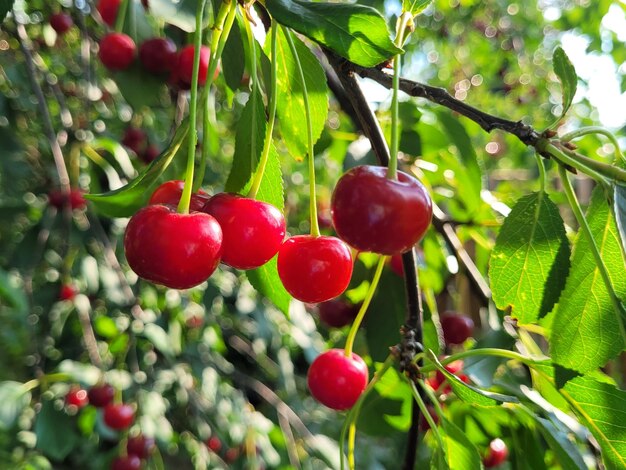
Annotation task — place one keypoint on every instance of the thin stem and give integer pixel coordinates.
(366, 302)
(121, 15)
(254, 93)
(584, 226)
(315, 228)
(483, 352)
(351, 440)
(542, 172)
(424, 410)
(597, 170)
(594, 130)
(269, 130)
(185, 199)
(563, 158)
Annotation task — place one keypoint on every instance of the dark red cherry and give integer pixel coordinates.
(374, 213)
(68, 292)
(170, 192)
(101, 395)
(177, 250)
(141, 446)
(314, 269)
(185, 64)
(129, 462)
(158, 55)
(214, 444)
(117, 51)
(337, 381)
(108, 10)
(396, 265)
(76, 199)
(337, 313)
(456, 328)
(497, 454)
(231, 455)
(424, 425)
(61, 23)
(150, 154)
(77, 397)
(253, 230)
(118, 415)
(135, 139)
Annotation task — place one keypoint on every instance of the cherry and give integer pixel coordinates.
(135, 139)
(374, 213)
(68, 292)
(108, 10)
(145, 4)
(158, 55)
(231, 455)
(185, 64)
(101, 395)
(118, 415)
(77, 397)
(61, 23)
(253, 230)
(497, 454)
(424, 425)
(214, 444)
(117, 51)
(76, 199)
(177, 250)
(150, 154)
(337, 381)
(396, 265)
(141, 446)
(454, 368)
(170, 192)
(337, 313)
(130, 462)
(456, 328)
(314, 269)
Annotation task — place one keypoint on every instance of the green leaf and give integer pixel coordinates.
(357, 32)
(600, 407)
(415, 7)
(587, 330)
(460, 452)
(139, 87)
(267, 282)
(181, 14)
(5, 7)
(233, 63)
(290, 103)
(11, 295)
(271, 189)
(14, 397)
(530, 260)
(125, 201)
(55, 430)
(564, 69)
(620, 212)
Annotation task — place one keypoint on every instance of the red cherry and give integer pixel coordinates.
(145, 4)
(108, 10)
(231, 455)
(130, 462)
(77, 200)
(396, 265)
(170, 192)
(214, 444)
(185, 64)
(135, 139)
(158, 55)
(141, 446)
(337, 381)
(118, 416)
(177, 250)
(374, 213)
(77, 397)
(456, 328)
(253, 230)
(454, 368)
(497, 454)
(337, 313)
(424, 426)
(314, 269)
(117, 51)
(68, 292)
(150, 154)
(101, 395)
(61, 23)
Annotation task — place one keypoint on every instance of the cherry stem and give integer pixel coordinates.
(495, 352)
(315, 228)
(185, 199)
(366, 302)
(424, 410)
(269, 130)
(121, 15)
(583, 131)
(542, 172)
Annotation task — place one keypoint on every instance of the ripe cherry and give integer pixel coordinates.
(76, 199)
(424, 425)
(185, 64)
(130, 462)
(214, 444)
(68, 292)
(396, 265)
(337, 381)
(158, 55)
(170, 192)
(135, 139)
(337, 313)
(231, 455)
(118, 415)
(314, 269)
(61, 23)
(456, 328)
(101, 395)
(177, 250)
(150, 154)
(108, 10)
(77, 397)
(141, 446)
(253, 230)
(497, 454)
(374, 213)
(117, 51)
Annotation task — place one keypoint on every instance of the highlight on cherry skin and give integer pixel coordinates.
(497, 454)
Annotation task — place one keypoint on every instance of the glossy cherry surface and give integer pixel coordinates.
(337, 313)
(135, 139)
(456, 328)
(337, 381)
(117, 51)
(314, 269)
(141, 446)
(61, 23)
(170, 192)
(373, 213)
(177, 250)
(497, 454)
(118, 415)
(101, 395)
(158, 55)
(76, 199)
(253, 230)
(129, 462)
(67, 292)
(77, 397)
(185, 64)
(108, 10)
